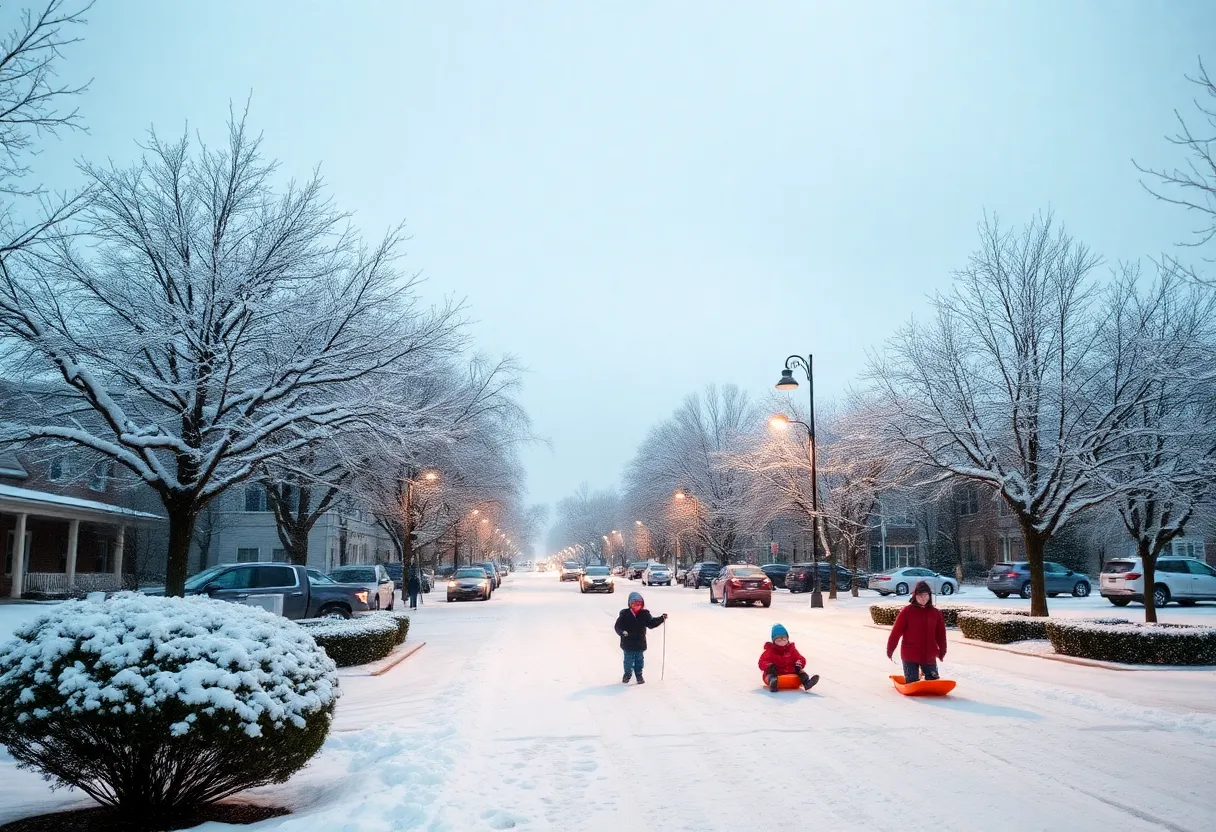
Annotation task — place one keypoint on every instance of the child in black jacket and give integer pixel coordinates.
(631, 626)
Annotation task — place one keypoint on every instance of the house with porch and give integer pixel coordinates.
(68, 526)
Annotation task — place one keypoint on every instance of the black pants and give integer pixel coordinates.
(413, 599)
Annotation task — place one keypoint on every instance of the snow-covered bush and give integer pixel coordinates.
(1129, 643)
(359, 640)
(157, 706)
(885, 614)
(999, 628)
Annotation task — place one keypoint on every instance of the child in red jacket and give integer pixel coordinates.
(923, 629)
(781, 657)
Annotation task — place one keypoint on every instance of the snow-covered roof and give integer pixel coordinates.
(59, 501)
(10, 466)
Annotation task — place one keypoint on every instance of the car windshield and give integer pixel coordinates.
(203, 578)
(597, 570)
(747, 572)
(355, 574)
(570, 564)
(1119, 566)
(471, 573)
(657, 567)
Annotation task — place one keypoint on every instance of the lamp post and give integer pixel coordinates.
(787, 383)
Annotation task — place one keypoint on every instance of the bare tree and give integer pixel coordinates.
(1007, 386)
(683, 454)
(1192, 185)
(1163, 461)
(212, 324)
(588, 519)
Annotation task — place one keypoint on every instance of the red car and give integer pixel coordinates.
(741, 584)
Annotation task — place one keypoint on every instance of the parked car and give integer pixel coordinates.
(571, 571)
(776, 573)
(799, 578)
(1181, 579)
(428, 579)
(244, 583)
(635, 570)
(1005, 579)
(618, 571)
(900, 581)
(395, 572)
(381, 591)
(701, 574)
(491, 570)
(741, 584)
(596, 579)
(470, 582)
(656, 574)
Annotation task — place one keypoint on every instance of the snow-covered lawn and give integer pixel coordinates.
(513, 716)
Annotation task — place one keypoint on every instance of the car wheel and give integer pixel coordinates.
(947, 588)
(766, 603)
(900, 589)
(334, 611)
(1025, 592)
(392, 600)
(1120, 602)
(712, 599)
(1161, 595)
(376, 605)
(725, 599)
(1000, 594)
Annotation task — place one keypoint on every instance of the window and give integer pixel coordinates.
(968, 502)
(1198, 568)
(278, 555)
(255, 498)
(233, 579)
(1188, 548)
(61, 469)
(246, 555)
(100, 476)
(1002, 507)
(273, 577)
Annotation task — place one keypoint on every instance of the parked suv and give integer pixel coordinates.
(701, 574)
(1005, 579)
(800, 578)
(1185, 580)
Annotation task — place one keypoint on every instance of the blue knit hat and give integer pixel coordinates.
(635, 596)
(779, 631)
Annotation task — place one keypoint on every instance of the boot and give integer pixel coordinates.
(641, 681)
(808, 682)
(773, 682)
(625, 679)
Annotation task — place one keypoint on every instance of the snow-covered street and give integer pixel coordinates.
(513, 716)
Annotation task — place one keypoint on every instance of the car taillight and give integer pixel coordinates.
(734, 582)
(766, 582)
(881, 578)
(1131, 576)
(1011, 574)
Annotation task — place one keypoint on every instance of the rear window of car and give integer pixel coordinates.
(1118, 567)
(748, 572)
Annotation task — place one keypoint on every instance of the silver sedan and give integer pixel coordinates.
(901, 581)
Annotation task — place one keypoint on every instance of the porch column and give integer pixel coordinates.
(19, 557)
(118, 544)
(73, 540)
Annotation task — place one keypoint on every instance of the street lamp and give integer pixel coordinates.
(787, 383)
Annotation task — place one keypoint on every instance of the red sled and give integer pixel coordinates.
(925, 687)
(785, 681)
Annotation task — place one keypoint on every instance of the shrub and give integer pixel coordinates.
(158, 706)
(885, 613)
(359, 640)
(1117, 640)
(997, 628)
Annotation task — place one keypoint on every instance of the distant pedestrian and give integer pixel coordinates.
(923, 630)
(413, 586)
(631, 626)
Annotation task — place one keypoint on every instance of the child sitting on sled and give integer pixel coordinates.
(923, 630)
(781, 658)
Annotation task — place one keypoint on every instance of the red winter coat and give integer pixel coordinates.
(924, 633)
(783, 657)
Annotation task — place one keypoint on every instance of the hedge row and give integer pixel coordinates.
(997, 628)
(1117, 640)
(885, 613)
(360, 640)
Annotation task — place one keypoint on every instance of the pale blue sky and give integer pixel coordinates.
(641, 198)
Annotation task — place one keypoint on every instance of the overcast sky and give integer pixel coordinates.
(640, 201)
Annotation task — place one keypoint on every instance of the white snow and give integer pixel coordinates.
(45, 498)
(514, 717)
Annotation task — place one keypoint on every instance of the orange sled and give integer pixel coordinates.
(785, 681)
(926, 687)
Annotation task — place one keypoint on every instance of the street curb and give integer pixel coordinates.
(391, 661)
(1131, 668)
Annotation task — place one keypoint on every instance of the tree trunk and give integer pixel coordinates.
(1148, 557)
(1035, 543)
(183, 514)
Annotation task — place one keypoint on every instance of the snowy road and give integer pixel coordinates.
(513, 716)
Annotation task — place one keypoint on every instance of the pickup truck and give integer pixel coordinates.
(305, 593)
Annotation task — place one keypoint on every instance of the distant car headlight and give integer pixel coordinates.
(362, 596)
(452, 584)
